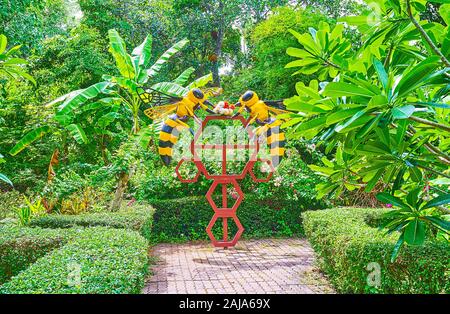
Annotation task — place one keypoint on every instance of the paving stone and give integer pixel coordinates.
(253, 266)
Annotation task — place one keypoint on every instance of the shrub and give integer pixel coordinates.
(20, 247)
(347, 242)
(138, 218)
(186, 218)
(105, 260)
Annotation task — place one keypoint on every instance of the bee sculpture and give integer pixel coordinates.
(262, 112)
(162, 104)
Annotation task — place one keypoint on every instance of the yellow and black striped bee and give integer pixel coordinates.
(262, 112)
(184, 108)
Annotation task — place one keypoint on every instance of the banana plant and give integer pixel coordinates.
(384, 120)
(322, 51)
(106, 96)
(414, 217)
(11, 66)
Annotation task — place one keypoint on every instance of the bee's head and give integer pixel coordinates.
(196, 95)
(249, 98)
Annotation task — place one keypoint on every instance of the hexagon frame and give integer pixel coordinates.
(180, 177)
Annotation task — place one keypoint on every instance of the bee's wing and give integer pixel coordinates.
(276, 106)
(156, 98)
(159, 112)
(212, 91)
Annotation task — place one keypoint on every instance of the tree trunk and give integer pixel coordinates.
(120, 190)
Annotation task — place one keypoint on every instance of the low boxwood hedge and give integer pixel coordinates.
(20, 247)
(347, 242)
(186, 218)
(137, 218)
(105, 260)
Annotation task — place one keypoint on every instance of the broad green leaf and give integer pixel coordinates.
(29, 138)
(200, 82)
(440, 223)
(416, 76)
(416, 174)
(339, 89)
(119, 51)
(84, 95)
(371, 184)
(355, 121)
(300, 63)
(308, 91)
(156, 67)
(403, 112)
(78, 133)
(382, 75)
(144, 51)
(390, 199)
(307, 41)
(298, 105)
(171, 89)
(184, 77)
(415, 232)
(312, 124)
(322, 170)
(297, 52)
(431, 104)
(444, 11)
(341, 115)
(438, 201)
(3, 43)
(354, 20)
(397, 247)
(369, 126)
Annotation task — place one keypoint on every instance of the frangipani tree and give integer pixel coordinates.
(115, 97)
(381, 109)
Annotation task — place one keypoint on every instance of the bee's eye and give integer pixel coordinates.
(247, 96)
(198, 93)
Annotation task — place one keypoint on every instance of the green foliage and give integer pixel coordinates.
(93, 255)
(11, 66)
(267, 46)
(186, 218)
(346, 245)
(20, 247)
(71, 61)
(138, 218)
(29, 22)
(414, 218)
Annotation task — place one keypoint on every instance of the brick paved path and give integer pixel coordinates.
(253, 266)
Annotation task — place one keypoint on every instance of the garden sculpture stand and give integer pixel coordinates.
(225, 210)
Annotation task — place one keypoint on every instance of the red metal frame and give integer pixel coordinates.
(224, 211)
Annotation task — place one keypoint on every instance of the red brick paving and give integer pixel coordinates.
(253, 266)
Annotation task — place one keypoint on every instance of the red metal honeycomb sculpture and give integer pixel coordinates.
(224, 210)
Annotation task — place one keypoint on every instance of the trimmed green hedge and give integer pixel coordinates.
(107, 261)
(347, 241)
(137, 218)
(20, 247)
(186, 218)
